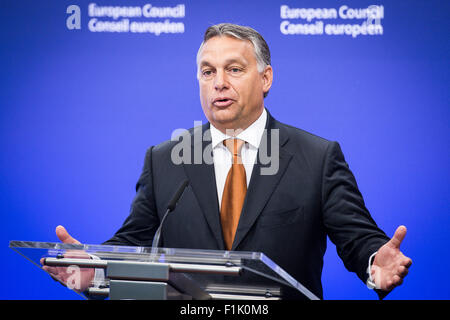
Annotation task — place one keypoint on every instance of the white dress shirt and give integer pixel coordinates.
(223, 158)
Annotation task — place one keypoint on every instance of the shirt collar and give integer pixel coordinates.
(251, 135)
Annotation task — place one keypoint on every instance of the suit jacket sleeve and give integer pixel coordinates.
(143, 221)
(346, 218)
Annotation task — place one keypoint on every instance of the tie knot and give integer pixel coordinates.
(234, 145)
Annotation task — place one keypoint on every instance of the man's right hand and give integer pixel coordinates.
(78, 279)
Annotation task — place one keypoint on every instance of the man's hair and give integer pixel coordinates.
(262, 52)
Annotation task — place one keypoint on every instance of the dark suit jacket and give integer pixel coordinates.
(287, 216)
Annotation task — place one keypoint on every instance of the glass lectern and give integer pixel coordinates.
(123, 272)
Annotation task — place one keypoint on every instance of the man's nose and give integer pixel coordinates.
(220, 80)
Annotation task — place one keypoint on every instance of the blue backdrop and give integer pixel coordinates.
(79, 108)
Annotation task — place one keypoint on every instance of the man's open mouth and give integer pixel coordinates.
(222, 102)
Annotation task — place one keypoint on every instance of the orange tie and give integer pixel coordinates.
(233, 193)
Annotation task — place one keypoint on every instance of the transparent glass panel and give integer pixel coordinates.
(86, 267)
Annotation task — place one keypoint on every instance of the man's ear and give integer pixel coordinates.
(267, 76)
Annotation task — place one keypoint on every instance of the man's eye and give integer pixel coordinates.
(206, 73)
(235, 70)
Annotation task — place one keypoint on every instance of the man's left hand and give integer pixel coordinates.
(390, 265)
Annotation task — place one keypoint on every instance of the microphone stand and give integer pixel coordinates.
(170, 207)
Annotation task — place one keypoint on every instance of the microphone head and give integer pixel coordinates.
(173, 203)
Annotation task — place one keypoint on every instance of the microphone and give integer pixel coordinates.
(170, 207)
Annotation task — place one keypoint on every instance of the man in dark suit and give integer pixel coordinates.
(237, 200)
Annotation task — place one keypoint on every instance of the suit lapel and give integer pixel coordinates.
(262, 186)
(203, 182)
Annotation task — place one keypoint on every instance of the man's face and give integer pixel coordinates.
(231, 88)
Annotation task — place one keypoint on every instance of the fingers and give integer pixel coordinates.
(388, 279)
(395, 282)
(389, 283)
(52, 272)
(398, 237)
(407, 262)
(396, 279)
(402, 271)
(64, 236)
